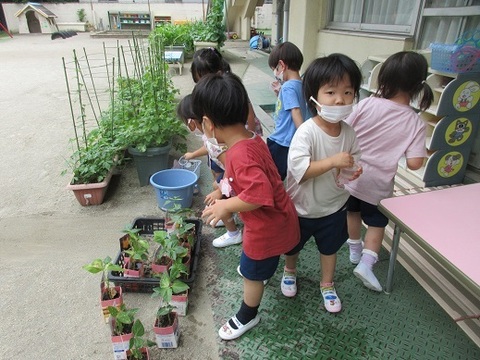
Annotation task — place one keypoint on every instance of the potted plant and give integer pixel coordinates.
(138, 346)
(166, 321)
(146, 116)
(137, 251)
(168, 252)
(110, 296)
(121, 325)
(210, 33)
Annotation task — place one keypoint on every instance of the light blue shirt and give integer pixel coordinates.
(289, 97)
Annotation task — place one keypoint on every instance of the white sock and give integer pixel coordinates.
(232, 233)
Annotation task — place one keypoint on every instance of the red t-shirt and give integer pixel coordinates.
(273, 228)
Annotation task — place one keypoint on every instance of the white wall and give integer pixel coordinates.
(97, 12)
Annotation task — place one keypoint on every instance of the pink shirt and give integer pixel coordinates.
(272, 229)
(386, 131)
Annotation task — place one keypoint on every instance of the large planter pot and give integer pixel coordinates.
(91, 194)
(150, 161)
(174, 187)
(167, 337)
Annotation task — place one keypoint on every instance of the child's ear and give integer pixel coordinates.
(208, 124)
(283, 65)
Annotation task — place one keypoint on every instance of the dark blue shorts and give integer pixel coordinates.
(280, 157)
(369, 213)
(330, 232)
(258, 270)
(217, 169)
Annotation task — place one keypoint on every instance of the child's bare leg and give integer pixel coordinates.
(327, 267)
(289, 278)
(331, 301)
(354, 242)
(252, 292)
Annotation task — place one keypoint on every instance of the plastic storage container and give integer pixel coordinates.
(148, 226)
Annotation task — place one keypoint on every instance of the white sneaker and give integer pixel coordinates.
(289, 284)
(265, 282)
(226, 240)
(331, 301)
(367, 276)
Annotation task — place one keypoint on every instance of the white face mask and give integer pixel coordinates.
(214, 149)
(195, 131)
(333, 114)
(278, 77)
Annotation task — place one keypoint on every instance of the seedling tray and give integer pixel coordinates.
(146, 284)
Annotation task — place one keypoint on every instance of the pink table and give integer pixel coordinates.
(444, 222)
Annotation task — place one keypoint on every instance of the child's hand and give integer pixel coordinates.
(275, 86)
(342, 160)
(214, 195)
(214, 212)
(357, 173)
(189, 156)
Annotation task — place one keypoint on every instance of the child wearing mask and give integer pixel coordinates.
(220, 102)
(291, 109)
(320, 148)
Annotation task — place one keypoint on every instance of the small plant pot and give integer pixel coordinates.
(135, 273)
(161, 268)
(144, 351)
(116, 302)
(180, 303)
(167, 337)
(120, 344)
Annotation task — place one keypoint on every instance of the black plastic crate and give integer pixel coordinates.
(146, 284)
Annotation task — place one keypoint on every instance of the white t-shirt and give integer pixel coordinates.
(319, 196)
(386, 131)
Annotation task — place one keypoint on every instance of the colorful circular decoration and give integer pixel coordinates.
(458, 131)
(450, 164)
(466, 97)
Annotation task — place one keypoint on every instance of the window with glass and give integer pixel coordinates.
(427, 21)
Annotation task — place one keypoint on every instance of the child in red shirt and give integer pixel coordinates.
(270, 220)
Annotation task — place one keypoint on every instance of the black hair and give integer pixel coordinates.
(289, 53)
(222, 98)
(405, 71)
(208, 61)
(184, 109)
(329, 70)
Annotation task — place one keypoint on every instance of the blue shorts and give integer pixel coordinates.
(258, 270)
(330, 232)
(369, 213)
(280, 157)
(216, 169)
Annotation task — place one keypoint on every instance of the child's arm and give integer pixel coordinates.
(297, 117)
(415, 163)
(197, 153)
(320, 167)
(222, 208)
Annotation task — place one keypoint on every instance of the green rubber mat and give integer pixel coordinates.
(407, 324)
